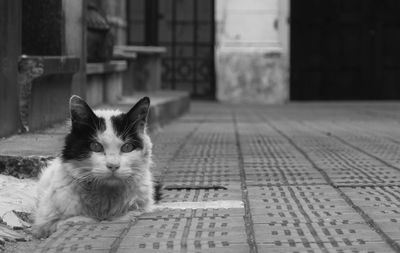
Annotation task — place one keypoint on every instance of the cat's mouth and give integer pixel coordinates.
(108, 178)
(112, 180)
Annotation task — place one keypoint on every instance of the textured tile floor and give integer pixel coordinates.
(311, 177)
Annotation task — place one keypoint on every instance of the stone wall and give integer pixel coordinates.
(252, 77)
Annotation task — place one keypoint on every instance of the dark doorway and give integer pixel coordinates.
(345, 49)
(186, 28)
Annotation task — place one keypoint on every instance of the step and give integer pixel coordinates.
(24, 155)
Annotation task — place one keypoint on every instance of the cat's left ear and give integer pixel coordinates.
(80, 111)
(139, 112)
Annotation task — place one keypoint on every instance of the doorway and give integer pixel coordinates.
(345, 50)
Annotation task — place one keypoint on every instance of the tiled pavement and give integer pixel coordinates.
(311, 177)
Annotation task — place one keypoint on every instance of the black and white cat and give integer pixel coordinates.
(103, 170)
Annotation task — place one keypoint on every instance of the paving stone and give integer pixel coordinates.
(84, 237)
(174, 213)
(202, 195)
(190, 247)
(201, 179)
(381, 204)
(391, 228)
(343, 232)
(201, 170)
(334, 247)
(200, 184)
(198, 233)
(313, 232)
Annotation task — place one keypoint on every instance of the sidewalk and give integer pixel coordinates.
(298, 178)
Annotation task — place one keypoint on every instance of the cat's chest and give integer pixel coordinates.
(105, 203)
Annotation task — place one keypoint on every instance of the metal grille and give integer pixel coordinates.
(186, 28)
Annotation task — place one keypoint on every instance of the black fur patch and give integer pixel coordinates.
(158, 187)
(77, 142)
(125, 130)
(129, 126)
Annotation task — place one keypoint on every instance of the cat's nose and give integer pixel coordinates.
(112, 166)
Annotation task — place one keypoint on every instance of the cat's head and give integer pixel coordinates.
(107, 146)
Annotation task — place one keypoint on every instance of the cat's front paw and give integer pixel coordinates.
(75, 220)
(148, 208)
(44, 230)
(142, 206)
(145, 205)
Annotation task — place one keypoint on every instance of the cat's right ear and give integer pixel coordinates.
(80, 110)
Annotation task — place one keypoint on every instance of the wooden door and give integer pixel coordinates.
(341, 49)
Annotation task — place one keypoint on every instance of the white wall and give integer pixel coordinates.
(252, 50)
(247, 24)
(284, 26)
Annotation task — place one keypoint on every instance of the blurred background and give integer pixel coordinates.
(236, 51)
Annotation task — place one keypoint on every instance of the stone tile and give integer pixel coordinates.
(306, 247)
(84, 237)
(176, 213)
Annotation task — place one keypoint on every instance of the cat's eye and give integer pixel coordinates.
(96, 147)
(127, 147)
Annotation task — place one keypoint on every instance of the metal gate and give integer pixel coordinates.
(187, 29)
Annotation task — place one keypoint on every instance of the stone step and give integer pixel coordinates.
(24, 155)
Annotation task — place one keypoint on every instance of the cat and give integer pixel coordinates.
(103, 170)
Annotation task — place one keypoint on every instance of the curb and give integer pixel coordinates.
(163, 113)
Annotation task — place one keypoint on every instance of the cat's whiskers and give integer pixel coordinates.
(96, 181)
(93, 137)
(96, 124)
(84, 168)
(81, 173)
(87, 178)
(131, 140)
(82, 178)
